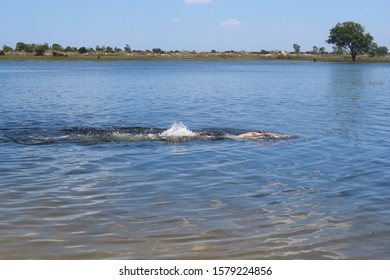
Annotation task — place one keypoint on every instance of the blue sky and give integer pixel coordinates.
(200, 25)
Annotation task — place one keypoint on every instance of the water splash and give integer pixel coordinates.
(178, 130)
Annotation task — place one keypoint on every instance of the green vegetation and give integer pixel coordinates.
(7, 49)
(157, 50)
(350, 36)
(82, 50)
(56, 48)
(57, 54)
(39, 50)
(379, 51)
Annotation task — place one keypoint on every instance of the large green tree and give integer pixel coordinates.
(350, 36)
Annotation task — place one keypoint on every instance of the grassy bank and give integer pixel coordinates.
(202, 56)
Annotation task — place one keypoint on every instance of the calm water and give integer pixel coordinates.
(75, 185)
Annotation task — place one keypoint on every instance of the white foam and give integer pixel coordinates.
(178, 130)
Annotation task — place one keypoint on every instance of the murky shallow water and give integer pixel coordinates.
(73, 185)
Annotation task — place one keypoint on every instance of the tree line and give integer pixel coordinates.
(40, 49)
(347, 37)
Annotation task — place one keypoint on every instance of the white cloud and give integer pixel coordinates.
(197, 1)
(231, 22)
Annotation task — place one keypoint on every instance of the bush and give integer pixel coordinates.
(381, 51)
(30, 48)
(20, 46)
(56, 47)
(7, 48)
(82, 50)
(57, 54)
(70, 49)
(2, 53)
(40, 50)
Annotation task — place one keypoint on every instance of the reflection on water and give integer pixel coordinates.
(81, 176)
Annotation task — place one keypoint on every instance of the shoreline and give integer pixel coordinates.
(192, 56)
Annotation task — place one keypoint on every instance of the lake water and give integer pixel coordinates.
(85, 173)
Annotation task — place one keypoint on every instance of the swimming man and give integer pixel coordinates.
(262, 134)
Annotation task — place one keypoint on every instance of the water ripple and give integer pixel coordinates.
(82, 175)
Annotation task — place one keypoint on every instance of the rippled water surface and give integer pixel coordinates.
(87, 170)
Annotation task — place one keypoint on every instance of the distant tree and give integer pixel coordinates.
(7, 48)
(30, 48)
(322, 50)
(40, 50)
(56, 47)
(350, 36)
(156, 50)
(127, 48)
(99, 48)
(20, 46)
(82, 50)
(109, 49)
(315, 49)
(2, 52)
(70, 49)
(297, 48)
(381, 51)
